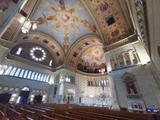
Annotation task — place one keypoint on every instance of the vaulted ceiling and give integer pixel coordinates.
(75, 30)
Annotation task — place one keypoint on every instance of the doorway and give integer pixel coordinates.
(5, 97)
(23, 96)
(38, 99)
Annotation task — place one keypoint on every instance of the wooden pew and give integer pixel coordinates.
(38, 114)
(79, 116)
(3, 116)
(45, 117)
(104, 111)
(73, 112)
(14, 115)
(100, 116)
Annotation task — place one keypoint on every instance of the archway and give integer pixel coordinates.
(23, 96)
(37, 99)
(5, 97)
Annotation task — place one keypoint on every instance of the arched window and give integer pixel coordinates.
(47, 80)
(7, 72)
(45, 76)
(135, 57)
(50, 63)
(29, 75)
(127, 58)
(17, 72)
(32, 76)
(25, 89)
(25, 74)
(33, 52)
(36, 76)
(21, 73)
(13, 71)
(42, 77)
(121, 60)
(39, 77)
(113, 64)
(19, 51)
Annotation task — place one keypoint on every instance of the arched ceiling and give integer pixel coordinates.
(74, 31)
(88, 52)
(65, 20)
(45, 41)
(113, 25)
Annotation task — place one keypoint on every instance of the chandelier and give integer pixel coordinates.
(27, 24)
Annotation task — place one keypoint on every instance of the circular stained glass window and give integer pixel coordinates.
(38, 54)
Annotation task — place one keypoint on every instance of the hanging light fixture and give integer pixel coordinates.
(26, 26)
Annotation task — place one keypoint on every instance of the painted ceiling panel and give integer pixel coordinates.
(65, 20)
(110, 19)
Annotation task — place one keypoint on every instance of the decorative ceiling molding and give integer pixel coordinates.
(111, 20)
(80, 47)
(130, 39)
(95, 21)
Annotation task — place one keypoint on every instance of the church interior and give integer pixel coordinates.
(79, 60)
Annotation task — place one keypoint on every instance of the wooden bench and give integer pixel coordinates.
(123, 114)
(69, 112)
(3, 116)
(100, 116)
(45, 117)
(14, 115)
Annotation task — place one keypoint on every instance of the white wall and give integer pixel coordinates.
(146, 82)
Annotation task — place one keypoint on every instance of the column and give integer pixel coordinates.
(51, 94)
(108, 62)
(51, 89)
(115, 104)
(111, 83)
(124, 59)
(131, 56)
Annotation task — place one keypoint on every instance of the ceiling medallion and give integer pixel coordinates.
(64, 17)
(38, 54)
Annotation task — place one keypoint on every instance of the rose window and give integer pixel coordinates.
(38, 54)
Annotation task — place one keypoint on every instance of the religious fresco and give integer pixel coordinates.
(94, 55)
(79, 49)
(92, 60)
(6, 9)
(66, 20)
(110, 19)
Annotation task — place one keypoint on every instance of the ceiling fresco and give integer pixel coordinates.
(94, 55)
(87, 50)
(76, 32)
(65, 20)
(110, 19)
(92, 60)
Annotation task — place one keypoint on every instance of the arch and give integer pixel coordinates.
(25, 88)
(44, 41)
(88, 44)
